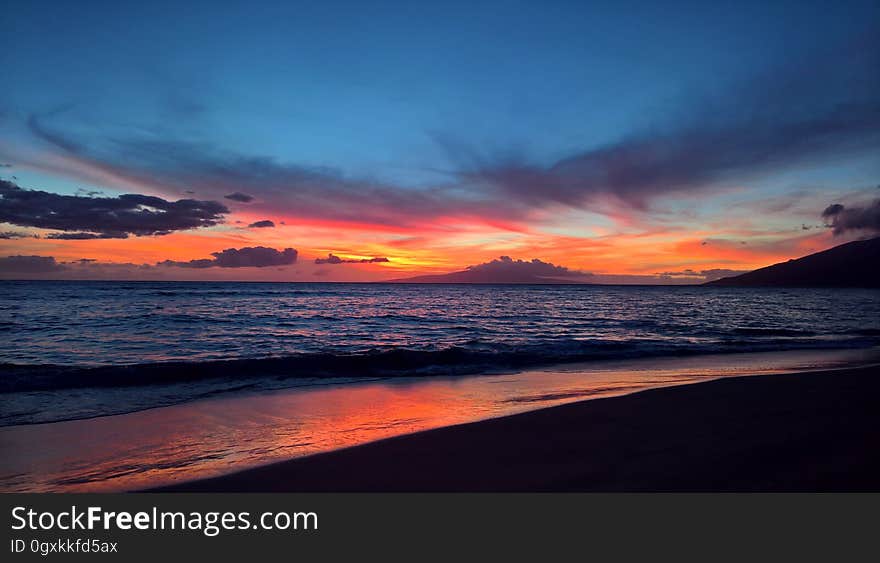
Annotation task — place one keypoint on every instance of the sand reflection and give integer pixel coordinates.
(212, 437)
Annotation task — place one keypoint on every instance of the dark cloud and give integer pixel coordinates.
(88, 193)
(249, 257)
(105, 217)
(703, 275)
(333, 259)
(85, 236)
(255, 257)
(6, 235)
(854, 218)
(29, 264)
(195, 264)
(238, 196)
(261, 224)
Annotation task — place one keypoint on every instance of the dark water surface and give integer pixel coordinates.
(81, 349)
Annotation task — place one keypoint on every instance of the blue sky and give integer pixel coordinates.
(412, 95)
(369, 87)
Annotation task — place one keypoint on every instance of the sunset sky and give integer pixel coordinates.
(640, 142)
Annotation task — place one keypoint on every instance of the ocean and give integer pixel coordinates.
(83, 349)
(113, 386)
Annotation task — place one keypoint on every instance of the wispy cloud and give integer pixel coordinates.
(812, 110)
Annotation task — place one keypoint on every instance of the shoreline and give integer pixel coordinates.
(802, 431)
(234, 386)
(222, 435)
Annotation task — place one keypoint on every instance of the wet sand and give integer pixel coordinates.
(814, 431)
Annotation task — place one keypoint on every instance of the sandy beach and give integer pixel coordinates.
(815, 431)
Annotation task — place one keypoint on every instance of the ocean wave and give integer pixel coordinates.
(864, 332)
(177, 293)
(474, 358)
(750, 331)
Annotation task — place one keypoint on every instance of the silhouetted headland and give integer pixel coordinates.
(854, 264)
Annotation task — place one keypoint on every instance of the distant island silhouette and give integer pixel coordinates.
(506, 270)
(852, 264)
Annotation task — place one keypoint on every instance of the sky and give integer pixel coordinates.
(628, 142)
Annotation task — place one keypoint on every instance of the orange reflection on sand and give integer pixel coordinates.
(211, 437)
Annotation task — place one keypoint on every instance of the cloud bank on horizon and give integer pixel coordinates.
(564, 145)
(502, 270)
